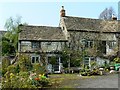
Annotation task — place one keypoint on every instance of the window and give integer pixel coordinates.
(88, 60)
(92, 58)
(111, 44)
(35, 45)
(25, 45)
(89, 44)
(35, 59)
(63, 28)
(49, 43)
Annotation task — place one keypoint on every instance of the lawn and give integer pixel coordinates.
(66, 80)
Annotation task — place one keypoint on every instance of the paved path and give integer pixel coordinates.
(108, 81)
(105, 81)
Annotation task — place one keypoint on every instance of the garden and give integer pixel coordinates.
(23, 74)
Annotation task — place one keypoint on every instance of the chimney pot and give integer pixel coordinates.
(62, 12)
(114, 17)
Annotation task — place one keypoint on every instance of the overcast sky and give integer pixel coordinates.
(48, 13)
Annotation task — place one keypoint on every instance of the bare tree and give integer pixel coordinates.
(107, 13)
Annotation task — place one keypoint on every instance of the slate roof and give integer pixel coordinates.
(88, 24)
(44, 33)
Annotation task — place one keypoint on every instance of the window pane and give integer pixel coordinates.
(25, 45)
(112, 44)
(35, 44)
(37, 59)
(91, 44)
(92, 58)
(49, 59)
(33, 59)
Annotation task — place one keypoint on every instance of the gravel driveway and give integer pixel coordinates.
(105, 81)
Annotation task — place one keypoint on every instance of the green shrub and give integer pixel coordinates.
(5, 64)
(24, 63)
(11, 68)
(85, 72)
(17, 69)
(38, 69)
(88, 72)
(19, 75)
(39, 80)
(117, 60)
(95, 72)
(23, 74)
(17, 81)
(4, 70)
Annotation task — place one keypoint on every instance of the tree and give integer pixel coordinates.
(11, 36)
(7, 47)
(12, 30)
(107, 13)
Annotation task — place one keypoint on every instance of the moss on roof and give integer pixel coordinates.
(78, 23)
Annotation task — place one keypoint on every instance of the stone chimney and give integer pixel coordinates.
(114, 17)
(62, 12)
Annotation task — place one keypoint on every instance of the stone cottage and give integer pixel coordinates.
(96, 37)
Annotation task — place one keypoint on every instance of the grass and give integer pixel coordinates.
(62, 80)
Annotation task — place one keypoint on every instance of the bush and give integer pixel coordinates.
(20, 75)
(85, 72)
(17, 81)
(117, 60)
(38, 69)
(23, 74)
(24, 63)
(11, 69)
(24, 80)
(39, 80)
(5, 64)
(88, 72)
(95, 72)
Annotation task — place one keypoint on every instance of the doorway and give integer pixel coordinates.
(55, 62)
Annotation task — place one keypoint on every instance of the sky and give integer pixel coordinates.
(48, 13)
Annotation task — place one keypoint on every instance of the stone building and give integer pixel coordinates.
(38, 40)
(96, 37)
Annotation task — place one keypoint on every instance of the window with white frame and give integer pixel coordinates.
(88, 60)
(35, 59)
(51, 46)
(112, 44)
(89, 43)
(25, 45)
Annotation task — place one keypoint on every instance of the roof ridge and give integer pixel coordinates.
(40, 26)
(89, 18)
